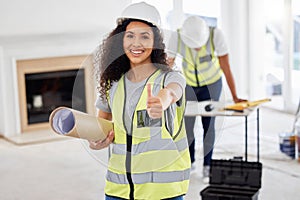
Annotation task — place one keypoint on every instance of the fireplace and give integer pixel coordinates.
(45, 84)
(47, 90)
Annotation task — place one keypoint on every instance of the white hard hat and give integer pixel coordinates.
(194, 32)
(141, 11)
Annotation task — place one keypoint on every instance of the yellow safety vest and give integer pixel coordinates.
(147, 162)
(202, 70)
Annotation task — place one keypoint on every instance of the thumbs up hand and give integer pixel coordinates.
(154, 104)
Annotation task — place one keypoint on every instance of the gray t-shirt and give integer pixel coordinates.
(133, 91)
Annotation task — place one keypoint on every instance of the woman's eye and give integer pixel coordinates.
(145, 37)
(129, 36)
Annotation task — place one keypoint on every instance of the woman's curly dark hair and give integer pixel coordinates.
(111, 61)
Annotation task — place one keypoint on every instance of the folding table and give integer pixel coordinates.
(194, 108)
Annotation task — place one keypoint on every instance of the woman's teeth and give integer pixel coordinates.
(136, 51)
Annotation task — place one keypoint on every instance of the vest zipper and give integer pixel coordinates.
(129, 143)
(128, 150)
(128, 166)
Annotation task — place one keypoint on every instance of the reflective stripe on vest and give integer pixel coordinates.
(147, 162)
(162, 144)
(150, 177)
(204, 69)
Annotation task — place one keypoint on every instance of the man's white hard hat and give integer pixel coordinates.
(194, 32)
(142, 11)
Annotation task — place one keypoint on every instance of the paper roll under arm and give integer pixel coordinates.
(70, 122)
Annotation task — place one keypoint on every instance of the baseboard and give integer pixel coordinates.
(35, 137)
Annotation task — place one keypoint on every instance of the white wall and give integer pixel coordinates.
(243, 23)
(36, 17)
(25, 47)
(256, 49)
(36, 29)
(234, 20)
(2, 86)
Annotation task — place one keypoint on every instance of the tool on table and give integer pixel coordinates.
(209, 107)
(239, 107)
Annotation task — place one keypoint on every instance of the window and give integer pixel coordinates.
(295, 82)
(274, 51)
(282, 63)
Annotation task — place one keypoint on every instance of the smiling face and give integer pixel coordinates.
(138, 43)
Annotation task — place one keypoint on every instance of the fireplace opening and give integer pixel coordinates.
(49, 90)
(47, 83)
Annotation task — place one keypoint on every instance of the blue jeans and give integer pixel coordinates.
(116, 198)
(209, 92)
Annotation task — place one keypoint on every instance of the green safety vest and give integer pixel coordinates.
(147, 162)
(202, 70)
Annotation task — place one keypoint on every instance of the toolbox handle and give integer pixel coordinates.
(237, 158)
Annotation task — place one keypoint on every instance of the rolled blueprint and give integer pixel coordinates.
(70, 122)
